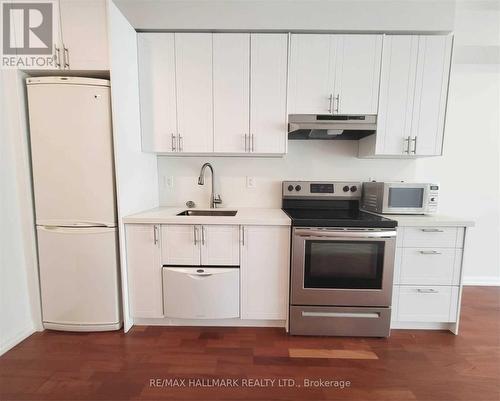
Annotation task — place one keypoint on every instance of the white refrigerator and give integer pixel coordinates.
(75, 202)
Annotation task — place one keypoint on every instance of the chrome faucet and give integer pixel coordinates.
(214, 198)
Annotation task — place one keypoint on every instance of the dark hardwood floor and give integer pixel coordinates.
(410, 365)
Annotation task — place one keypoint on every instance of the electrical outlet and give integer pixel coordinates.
(250, 182)
(170, 181)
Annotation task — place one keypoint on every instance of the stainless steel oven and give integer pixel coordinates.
(342, 267)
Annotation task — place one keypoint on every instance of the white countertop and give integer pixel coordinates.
(245, 216)
(437, 220)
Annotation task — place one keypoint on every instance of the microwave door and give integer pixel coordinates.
(404, 199)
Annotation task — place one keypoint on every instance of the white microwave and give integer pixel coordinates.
(399, 198)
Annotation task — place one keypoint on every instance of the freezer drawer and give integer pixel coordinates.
(201, 293)
(340, 321)
(79, 278)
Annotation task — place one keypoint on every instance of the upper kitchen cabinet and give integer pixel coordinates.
(231, 83)
(193, 66)
(413, 96)
(222, 93)
(175, 85)
(268, 93)
(334, 74)
(83, 43)
(156, 56)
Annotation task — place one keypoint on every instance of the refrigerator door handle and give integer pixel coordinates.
(74, 223)
(76, 230)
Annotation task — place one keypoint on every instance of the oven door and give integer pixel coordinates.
(342, 267)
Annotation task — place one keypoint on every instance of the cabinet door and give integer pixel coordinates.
(231, 91)
(264, 270)
(431, 91)
(156, 56)
(144, 270)
(193, 61)
(180, 245)
(85, 34)
(312, 63)
(220, 245)
(268, 79)
(357, 73)
(397, 86)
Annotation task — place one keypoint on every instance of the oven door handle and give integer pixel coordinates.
(344, 234)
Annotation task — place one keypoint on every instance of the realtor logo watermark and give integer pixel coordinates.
(28, 34)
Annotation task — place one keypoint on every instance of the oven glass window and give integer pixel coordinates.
(343, 264)
(406, 197)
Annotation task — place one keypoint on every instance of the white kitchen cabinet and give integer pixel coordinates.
(427, 304)
(413, 95)
(268, 93)
(180, 245)
(193, 245)
(220, 245)
(311, 74)
(231, 83)
(431, 91)
(84, 35)
(193, 65)
(156, 57)
(144, 270)
(334, 74)
(357, 73)
(264, 270)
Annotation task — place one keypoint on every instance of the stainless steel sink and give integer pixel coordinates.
(208, 213)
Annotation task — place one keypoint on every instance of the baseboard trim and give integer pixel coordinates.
(482, 280)
(12, 342)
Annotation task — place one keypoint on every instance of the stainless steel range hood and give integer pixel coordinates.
(328, 126)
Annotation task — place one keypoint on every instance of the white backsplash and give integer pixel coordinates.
(306, 160)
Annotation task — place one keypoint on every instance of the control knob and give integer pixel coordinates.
(290, 187)
(354, 188)
(346, 188)
(298, 187)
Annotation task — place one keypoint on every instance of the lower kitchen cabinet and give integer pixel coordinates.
(180, 245)
(427, 277)
(264, 272)
(193, 245)
(144, 270)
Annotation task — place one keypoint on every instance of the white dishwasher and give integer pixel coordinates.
(201, 292)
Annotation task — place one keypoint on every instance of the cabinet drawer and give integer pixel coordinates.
(429, 266)
(442, 237)
(427, 304)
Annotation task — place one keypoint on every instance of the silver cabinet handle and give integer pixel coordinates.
(430, 252)
(432, 230)
(195, 234)
(330, 103)
(202, 235)
(173, 143)
(66, 57)
(246, 146)
(414, 140)
(180, 139)
(155, 234)
(253, 142)
(242, 235)
(57, 56)
(337, 98)
(427, 291)
(407, 144)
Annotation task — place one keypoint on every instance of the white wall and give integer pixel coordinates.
(19, 291)
(471, 150)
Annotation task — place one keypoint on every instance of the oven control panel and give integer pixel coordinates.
(322, 189)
